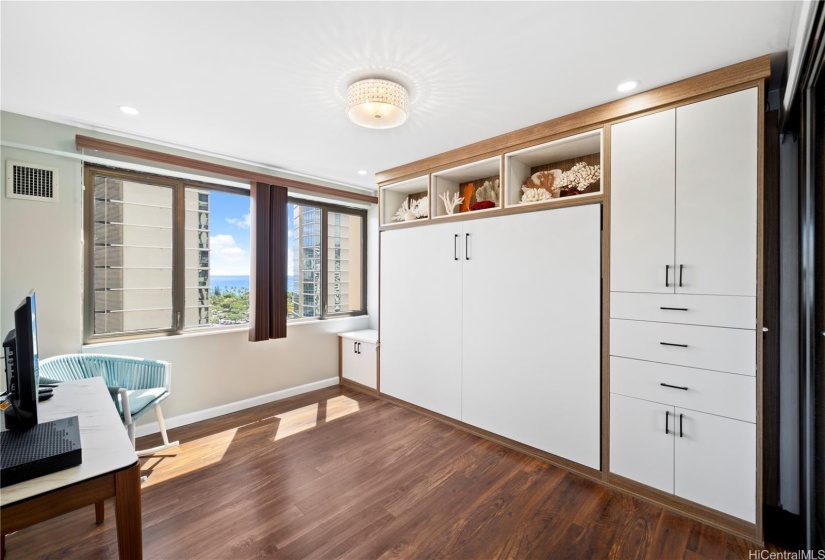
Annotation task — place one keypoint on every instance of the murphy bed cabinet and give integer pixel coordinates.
(614, 331)
(504, 363)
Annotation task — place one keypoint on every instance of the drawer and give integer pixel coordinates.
(714, 348)
(713, 311)
(723, 394)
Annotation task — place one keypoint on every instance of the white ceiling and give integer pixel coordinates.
(265, 81)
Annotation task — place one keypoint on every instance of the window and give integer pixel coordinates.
(163, 255)
(327, 267)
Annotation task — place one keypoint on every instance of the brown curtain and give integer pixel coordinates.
(267, 294)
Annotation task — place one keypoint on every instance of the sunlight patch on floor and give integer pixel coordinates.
(296, 421)
(340, 406)
(199, 453)
(203, 452)
(308, 417)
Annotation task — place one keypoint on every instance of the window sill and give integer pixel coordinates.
(211, 332)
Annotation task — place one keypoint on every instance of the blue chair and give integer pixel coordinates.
(136, 385)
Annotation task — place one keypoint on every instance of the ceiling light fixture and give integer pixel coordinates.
(362, 171)
(129, 110)
(627, 86)
(375, 103)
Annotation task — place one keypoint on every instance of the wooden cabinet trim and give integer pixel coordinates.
(691, 89)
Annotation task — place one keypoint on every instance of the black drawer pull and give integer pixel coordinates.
(672, 344)
(674, 308)
(673, 386)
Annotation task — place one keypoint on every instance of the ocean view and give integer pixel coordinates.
(241, 282)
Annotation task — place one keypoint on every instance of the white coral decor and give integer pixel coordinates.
(534, 195)
(450, 203)
(412, 210)
(580, 176)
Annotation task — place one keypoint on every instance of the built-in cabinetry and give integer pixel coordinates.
(548, 174)
(491, 316)
(683, 302)
(480, 324)
(359, 357)
(683, 202)
(421, 280)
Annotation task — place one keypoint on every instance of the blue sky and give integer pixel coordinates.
(229, 235)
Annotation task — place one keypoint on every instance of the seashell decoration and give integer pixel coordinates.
(545, 180)
(450, 204)
(412, 210)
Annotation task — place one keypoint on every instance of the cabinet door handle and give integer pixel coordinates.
(681, 432)
(359, 347)
(673, 386)
(467, 246)
(681, 267)
(674, 308)
(667, 422)
(354, 347)
(455, 247)
(667, 276)
(673, 344)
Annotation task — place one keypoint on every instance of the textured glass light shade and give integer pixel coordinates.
(377, 103)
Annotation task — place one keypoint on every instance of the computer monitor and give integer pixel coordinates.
(22, 375)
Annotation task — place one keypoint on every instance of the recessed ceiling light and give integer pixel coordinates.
(627, 86)
(362, 171)
(129, 110)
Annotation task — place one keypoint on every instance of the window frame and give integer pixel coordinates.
(325, 209)
(178, 187)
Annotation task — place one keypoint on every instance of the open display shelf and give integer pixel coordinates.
(466, 181)
(393, 197)
(559, 155)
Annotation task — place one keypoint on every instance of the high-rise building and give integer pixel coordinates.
(306, 255)
(133, 256)
(343, 262)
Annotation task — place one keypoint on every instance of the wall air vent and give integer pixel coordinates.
(31, 181)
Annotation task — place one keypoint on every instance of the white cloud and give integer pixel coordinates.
(226, 258)
(244, 223)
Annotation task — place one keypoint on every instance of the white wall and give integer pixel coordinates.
(41, 248)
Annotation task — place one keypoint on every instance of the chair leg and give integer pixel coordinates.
(163, 434)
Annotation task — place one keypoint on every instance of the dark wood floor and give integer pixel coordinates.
(335, 473)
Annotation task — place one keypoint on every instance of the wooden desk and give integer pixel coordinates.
(110, 469)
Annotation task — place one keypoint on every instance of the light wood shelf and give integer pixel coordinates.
(560, 154)
(465, 180)
(391, 197)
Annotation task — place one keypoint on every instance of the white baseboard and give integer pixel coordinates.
(192, 417)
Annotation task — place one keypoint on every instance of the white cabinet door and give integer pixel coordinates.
(716, 462)
(531, 368)
(642, 179)
(349, 358)
(716, 166)
(641, 441)
(421, 317)
(359, 364)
